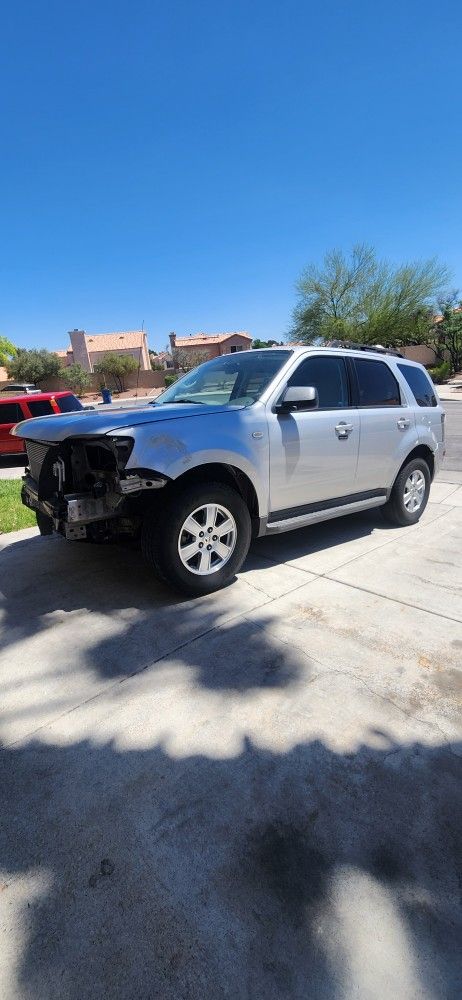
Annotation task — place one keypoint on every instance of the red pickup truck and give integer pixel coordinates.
(13, 409)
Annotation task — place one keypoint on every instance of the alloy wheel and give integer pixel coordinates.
(207, 539)
(414, 491)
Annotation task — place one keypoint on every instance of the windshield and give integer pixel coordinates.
(231, 380)
(69, 403)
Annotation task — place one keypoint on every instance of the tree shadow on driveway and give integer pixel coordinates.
(99, 611)
(40, 576)
(306, 874)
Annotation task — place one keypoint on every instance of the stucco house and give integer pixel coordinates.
(88, 348)
(209, 345)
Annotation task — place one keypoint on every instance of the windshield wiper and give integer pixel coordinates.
(196, 402)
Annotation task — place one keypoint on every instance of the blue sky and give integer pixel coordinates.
(179, 163)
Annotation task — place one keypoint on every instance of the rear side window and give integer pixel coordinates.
(420, 385)
(377, 385)
(328, 376)
(40, 407)
(69, 403)
(10, 413)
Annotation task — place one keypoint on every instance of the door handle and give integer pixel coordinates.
(403, 422)
(343, 429)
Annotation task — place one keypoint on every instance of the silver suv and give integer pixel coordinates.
(249, 444)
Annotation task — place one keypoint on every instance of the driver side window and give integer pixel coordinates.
(327, 375)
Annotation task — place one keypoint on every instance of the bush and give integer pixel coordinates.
(440, 373)
(116, 366)
(34, 366)
(76, 378)
(170, 379)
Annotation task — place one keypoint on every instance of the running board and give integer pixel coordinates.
(326, 514)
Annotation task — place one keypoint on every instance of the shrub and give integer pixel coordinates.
(440, 373)
(34, 366)
(76, 378)
(170, 379)
(116, 366)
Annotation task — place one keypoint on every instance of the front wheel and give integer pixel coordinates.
(409, 496)
(44, 523)
(201, 542)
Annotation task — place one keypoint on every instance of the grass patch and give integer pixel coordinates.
(13, 515)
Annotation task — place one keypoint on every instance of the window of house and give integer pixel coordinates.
(377, 385)
(40, 407)
(10, 413)
(327, 375)
(420, 385)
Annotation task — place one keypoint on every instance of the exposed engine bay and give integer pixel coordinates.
(80, 487)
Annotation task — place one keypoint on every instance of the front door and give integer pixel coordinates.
(314, 453)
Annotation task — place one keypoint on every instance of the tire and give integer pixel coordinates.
(409, 496)
(187, 560)
(44, 523)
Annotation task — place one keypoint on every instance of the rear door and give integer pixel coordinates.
(10, 414)
(428, 412)
(313, 453)
(388, 431)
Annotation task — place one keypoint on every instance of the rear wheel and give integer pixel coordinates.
(409, 496)
(201, 542)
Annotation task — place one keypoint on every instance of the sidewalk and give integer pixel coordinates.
(450, 392)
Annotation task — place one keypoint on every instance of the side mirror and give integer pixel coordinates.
(298, 397)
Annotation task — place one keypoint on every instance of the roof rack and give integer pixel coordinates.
(375, 348)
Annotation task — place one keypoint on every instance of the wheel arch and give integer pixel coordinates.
(420, 451)
(220, 472)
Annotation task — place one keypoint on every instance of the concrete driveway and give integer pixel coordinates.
(257, 794)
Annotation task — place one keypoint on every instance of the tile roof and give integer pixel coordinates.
(198, 339)
(440, 317)
(115, 341)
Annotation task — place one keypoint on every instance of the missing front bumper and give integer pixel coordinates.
(72, 510)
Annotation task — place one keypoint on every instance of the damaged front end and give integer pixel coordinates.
(82, 489)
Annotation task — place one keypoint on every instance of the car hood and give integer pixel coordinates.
(59, 426)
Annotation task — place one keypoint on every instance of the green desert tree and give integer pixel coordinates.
(357, 297)
(116, 367)
(257, 344)
(76, 378)
(7, 352)
(34, 366)
(448, 331)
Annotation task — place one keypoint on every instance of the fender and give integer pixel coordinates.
(238, 438)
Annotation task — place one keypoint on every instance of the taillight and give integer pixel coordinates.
(443, 420)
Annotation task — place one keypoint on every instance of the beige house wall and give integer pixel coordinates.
(142, 379)
(137, 353)
(208, 351)
(421, 353)
(79, 349)
(237, 341)
(83, 354)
